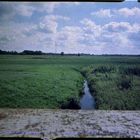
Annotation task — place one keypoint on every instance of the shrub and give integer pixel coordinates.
(86, 71)
(130, 71)
(103, 69)
(124, 83)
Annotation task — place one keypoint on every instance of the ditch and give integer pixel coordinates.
(87, 101)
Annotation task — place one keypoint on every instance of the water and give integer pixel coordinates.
(87, 100)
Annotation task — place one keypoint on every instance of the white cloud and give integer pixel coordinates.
(49, 23)
(118, 26)
(68, 38)
(121, 27)
(124, 12)
(20, 36)
(128, 11)
(26, 37)
(50, 32)
(90, 27)
(113, 37)
(8, 10)
(103, 13)
(117, 37)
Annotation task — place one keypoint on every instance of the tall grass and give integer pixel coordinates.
(114, 87)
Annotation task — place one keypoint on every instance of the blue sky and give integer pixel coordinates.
(71, 27)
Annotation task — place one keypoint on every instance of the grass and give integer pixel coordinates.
(49, 81)
(115, 88)
(31, 83)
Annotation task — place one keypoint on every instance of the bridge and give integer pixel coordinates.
(49, 124)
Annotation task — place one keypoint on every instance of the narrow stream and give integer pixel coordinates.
(87, 101)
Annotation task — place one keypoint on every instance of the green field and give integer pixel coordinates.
(31, 81)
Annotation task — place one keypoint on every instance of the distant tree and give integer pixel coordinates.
(38, 52)
(25, 52)
(78, 54)
(1, 52)
(62, 53)
(8, 52)
(13, 52)
(29, 52)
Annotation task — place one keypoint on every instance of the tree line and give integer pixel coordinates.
(30, 52)
(25, 52)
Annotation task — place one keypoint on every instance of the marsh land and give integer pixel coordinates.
(49, 81)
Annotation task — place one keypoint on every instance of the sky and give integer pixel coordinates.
(71, 27)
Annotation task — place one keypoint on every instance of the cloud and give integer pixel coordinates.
(127, 12)
(121, 27)
(135, 38)
(29, 36)
(124, 12)
(49, 23)
(68, 38)
(117, 26)
(103, 13)
(113, 37)
(25, 10)
(41, 35)
(9, 10)
(5, 39)
(90, 27)
(120, 37)
(50, 32)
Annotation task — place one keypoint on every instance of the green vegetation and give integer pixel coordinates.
(42, 81)
(31, 82)
(115, 87)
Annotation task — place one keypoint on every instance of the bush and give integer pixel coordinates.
(86, 71)
(92, 85)
(103, 69)
(124, 83)
(130, 71)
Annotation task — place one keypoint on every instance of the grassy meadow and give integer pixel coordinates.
(31, 81)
